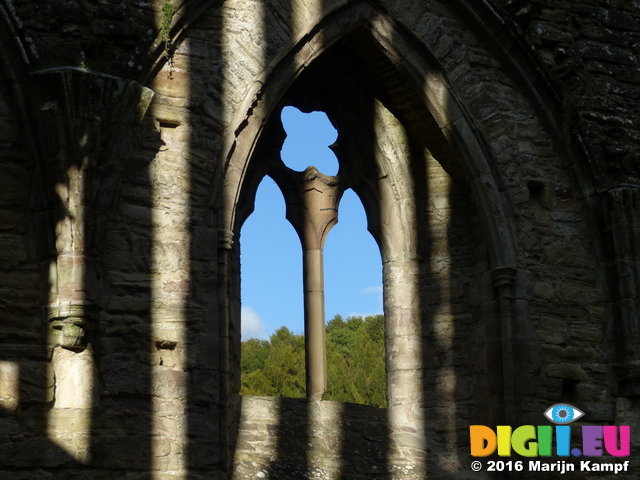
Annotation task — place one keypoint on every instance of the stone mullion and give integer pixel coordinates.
(312, 208)
(315, 336)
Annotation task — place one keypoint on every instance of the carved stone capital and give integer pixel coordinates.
(312, 200)
(503, 277)
(70, 324)
(225, 239)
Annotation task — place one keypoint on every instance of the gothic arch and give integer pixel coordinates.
(426, 76)
(455, 141)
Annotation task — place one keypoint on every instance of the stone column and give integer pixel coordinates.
(620, 214)
(85, 122)
(315, 348)
(405, 366)
(503, 282)
(312, 208)
(225, 245)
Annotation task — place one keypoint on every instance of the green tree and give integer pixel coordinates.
(274, 367)
(374, 324)
(342, 335)
(369, 375)
(355, 362)
(285, 366)
(254, 354)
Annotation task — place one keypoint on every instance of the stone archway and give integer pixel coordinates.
(430, 87)
(407, 116)
(448, 116)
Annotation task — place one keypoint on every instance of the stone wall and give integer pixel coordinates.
(493, 144)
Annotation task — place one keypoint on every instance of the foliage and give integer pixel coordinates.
(355, 362)
(274, 367)
(165, 28)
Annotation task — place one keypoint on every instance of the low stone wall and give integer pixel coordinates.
(295, 438)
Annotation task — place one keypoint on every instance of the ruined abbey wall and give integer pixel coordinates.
(495, 148)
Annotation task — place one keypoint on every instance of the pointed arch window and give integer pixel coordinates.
(312, 200)
(419, 164)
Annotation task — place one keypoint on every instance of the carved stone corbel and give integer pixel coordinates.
(71, 323)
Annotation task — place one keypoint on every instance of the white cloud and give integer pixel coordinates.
(374, 309)
(251, 324)
(372, 290)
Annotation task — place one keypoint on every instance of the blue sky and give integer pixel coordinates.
(271, 254)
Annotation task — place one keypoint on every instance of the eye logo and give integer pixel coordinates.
(562, 413)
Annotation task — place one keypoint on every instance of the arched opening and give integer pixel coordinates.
(395, 156)
(353, 267)
(272, 356)
(356, 370)
(408, 150)
(270, 268)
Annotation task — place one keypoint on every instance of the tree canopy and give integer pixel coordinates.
(355, 362)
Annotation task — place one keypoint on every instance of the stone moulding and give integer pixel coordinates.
(312, 208)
